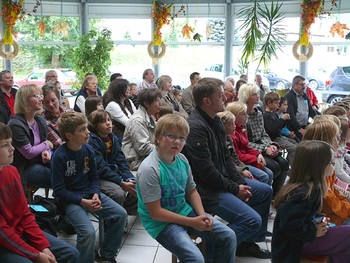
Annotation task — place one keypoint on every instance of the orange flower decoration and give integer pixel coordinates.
(160, 15)
(310, 9)
(338, 28)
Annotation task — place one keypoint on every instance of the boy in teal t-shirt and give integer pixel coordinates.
(169, 204)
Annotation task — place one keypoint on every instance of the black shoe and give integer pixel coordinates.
(268, 234)
(101, 259)
(252, 250)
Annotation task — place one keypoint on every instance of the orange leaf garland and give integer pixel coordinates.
(338, 28)
(186, 31)
(42, 27)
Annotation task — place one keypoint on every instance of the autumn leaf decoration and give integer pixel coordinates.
(338, 28)
(186, 31)
(61, 28)
(42, 27)
(197, 37)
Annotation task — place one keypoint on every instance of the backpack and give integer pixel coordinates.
(52, 221)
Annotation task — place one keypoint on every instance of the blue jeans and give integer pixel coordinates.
(114, 216)
(63, 252)
(222, 239)
(247, 220)
(264, 175)
(39, 175)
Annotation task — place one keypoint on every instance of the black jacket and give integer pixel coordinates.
(291, 97)
(273, 124)
(212, 166)
(5, 110)
(293, 225)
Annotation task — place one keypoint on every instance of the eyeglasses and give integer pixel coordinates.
(173, 138)
(302, 84)
(38, 96)
(52, 76)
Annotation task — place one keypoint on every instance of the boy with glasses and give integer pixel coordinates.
(169, 204)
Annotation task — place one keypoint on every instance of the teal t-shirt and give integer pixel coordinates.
(167, 182)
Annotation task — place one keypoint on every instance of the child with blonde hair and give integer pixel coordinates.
(335, 204)
(262, 174)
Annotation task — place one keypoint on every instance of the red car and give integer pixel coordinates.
(65, 76)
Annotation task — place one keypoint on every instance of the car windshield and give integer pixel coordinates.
(346, 71)
(68, 73)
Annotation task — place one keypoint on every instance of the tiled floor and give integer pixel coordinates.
(139, 247)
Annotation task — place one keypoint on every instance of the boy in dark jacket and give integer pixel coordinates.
(273, 125)
(116, 179)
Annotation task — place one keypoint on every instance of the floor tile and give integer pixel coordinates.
(162, 255)
(140, 237)
(137, 254)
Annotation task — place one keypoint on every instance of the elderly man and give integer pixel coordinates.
(299, 107)
(7, 96)
(148, 80)
(187, 101)
(243, 203)
(51, 75)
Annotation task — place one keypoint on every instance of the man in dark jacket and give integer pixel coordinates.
(243, 203)
(299, 107)
(7, 96)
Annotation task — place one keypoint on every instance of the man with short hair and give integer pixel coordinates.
(187, 101)
(51, 75)
(242, 202)
(263, 90)
(148, 80)
(7, 95)
(299, 107)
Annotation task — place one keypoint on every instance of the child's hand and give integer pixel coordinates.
(202, 223)
(96, 202)
(321, 228)
(129, 187)
(285, 116)
(45, 156)
(46, 256)
(291, 134)
(261, 160)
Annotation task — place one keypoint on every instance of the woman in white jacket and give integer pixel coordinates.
(138, 140)
(116, 102)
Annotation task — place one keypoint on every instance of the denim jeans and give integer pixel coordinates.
(63, 252)
(114, 216)
(247, 220)
(39, 175)
(264, 175)
(222, 239)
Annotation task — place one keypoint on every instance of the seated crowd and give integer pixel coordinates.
(180, 160)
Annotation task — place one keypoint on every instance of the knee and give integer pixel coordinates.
(87, 234)
(73, 256)
(193, 256)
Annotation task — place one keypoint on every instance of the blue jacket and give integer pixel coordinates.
(110, 167)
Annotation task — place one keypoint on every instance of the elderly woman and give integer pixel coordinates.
(89, 88)
(52, 111)
(138, 140)
(164, 83)
(259, 139)
(116, 102)
(29, 137)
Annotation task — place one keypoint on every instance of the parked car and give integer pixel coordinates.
(65, 76)
(217, 71)
(315, 77)
(337, 86)
(276, 82)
